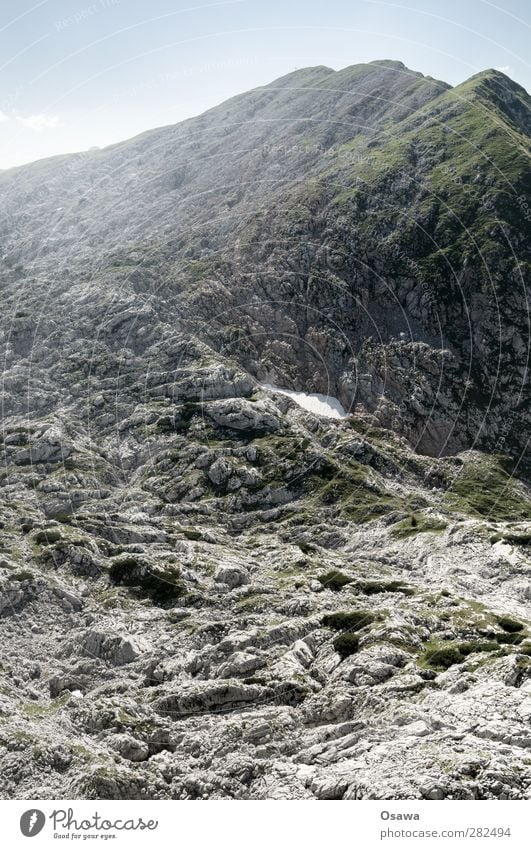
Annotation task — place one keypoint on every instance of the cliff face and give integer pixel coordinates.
(207, 591)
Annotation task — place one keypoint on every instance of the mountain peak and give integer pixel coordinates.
(493, 77)
(395, 64)
(493, 88)
(307, 75)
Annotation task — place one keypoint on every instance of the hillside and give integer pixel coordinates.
(208, 591)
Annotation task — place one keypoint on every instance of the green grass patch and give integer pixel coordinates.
(484, 488)
(23, 575)
(477, 646)
(334, 580)
(47, 536)
(354, 490)
(443, 656)
(161, 587)
(508, 639)
(192, 534)
(512, 626)
(38, 709)
(346, 644)
(376, 587)
(417, 524)
(348, 621)
(512, 538)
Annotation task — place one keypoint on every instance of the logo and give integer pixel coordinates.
(32, 822)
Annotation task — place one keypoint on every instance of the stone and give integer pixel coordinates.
(232, 576)
(130, 748)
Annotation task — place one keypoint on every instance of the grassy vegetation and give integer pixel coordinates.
(47, 536)
(162, 587)
(508, 639)
(444, 655)
(334, 580)
(355, 490)
(38, 709)
(375, 587)
(417, 524)
(484, 488)
(23, 575)
(346, 644)
(472, 646)
(348, 621)
(512, 626)
(512, 538)
(191, 534)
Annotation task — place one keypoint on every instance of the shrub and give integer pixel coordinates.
(442, 657)
(417, 524)
(510, 625)
(47, 536)
(192, 534)
(508, 639)
(468, 648)
(374, 587)
(346, 644)
(334, 580)
(160, 587)
(512, 539)
(24, 575)
(353, 621)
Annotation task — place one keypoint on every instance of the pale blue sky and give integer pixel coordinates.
(79, 73)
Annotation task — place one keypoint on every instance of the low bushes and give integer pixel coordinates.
(470, 647)
(512, 626)
(346, 644)
(444, 656)
(334, 580)
(352, 621)
(375, 587)
(417, 524)
(508, 639)
(161, 587)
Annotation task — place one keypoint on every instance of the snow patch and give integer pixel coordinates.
(322, 405)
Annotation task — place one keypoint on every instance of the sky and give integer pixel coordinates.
(77, 74)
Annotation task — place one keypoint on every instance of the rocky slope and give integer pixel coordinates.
(207, 591)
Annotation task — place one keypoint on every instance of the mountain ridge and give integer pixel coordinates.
(441, 147)
(330, 71)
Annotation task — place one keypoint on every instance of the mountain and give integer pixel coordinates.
(207, 590)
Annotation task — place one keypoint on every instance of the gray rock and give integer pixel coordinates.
(114, 649)
(130, 748)
(232, 576)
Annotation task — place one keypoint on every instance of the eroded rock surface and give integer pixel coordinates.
(207, 591)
